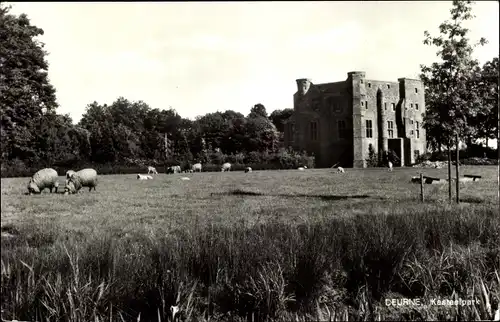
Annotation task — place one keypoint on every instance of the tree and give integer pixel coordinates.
(487, 126)
(261, 135)
(449, 100)
(258, 110)
(25, 91)
(98, 121)
(278, 117)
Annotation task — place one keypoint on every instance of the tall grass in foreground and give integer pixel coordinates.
(335, 269)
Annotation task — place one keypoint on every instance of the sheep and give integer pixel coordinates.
(196, 167)
(248, 169)
(340, 170)
(144, 177)
(301, 168)
(226, 167)
(174, 169)
(389, 165)
(185, 178)
(45, 178)
(152, 170)
(83, 178)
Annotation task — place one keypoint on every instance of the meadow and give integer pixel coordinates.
(266, 245)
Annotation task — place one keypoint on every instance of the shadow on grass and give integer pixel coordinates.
(239, 192)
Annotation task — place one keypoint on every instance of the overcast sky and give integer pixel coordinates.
(208, 56)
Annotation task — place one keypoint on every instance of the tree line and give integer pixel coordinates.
(461, 99)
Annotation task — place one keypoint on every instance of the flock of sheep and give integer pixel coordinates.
(47, 178)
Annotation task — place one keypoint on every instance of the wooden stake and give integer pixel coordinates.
(421, 187)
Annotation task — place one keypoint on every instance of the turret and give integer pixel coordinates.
(303, 85)
(356, 83)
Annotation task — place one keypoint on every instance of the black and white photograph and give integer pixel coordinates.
(249, 161)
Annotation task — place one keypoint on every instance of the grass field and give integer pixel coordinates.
(272, 245)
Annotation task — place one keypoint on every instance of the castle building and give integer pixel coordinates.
(337, 122)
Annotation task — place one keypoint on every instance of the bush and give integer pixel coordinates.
(283, 159)
(372, 160)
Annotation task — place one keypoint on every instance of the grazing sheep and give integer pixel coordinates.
(301, 168)
(174, 169)
(185, 178)
(340, 170)
(144, 177)
(196, 167)
(390, 165)
(82, 178)
(152, 170)
(226, 167)
(248, 169)
(45, 178)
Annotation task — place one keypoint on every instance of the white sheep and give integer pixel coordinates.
(83, 178)
(174, 169)
(226, 167)
(152, 170)
(144, 177)
(340, 170)
(248, 169)
(390, 165)
(185, 178)
(196, 167)
(301, 168)
(45, 178)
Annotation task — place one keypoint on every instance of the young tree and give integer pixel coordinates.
(449, 100)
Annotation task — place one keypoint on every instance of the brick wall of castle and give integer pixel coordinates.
(330, 120)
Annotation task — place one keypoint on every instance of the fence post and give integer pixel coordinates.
(421, 187)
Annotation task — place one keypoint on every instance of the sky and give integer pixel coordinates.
(213, 56)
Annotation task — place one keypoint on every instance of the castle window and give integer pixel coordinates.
(416, 90)
(411, 105)
(388, 86)
(385, 106)
(314, 130)
(393, 106)
(370, 85)
(369, 129)
(417, 132)
(362, 103)
(390, 129)
(342, 129)
(411, 121)
(361, 81)
(366, 104)
(417, 125)
(416, 106)
(416, 154)
(411, 133)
